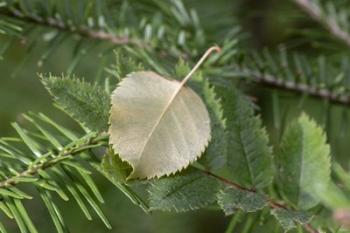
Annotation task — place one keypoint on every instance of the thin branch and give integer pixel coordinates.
(52, 160)
(83, 31)
(226, 181)
(314, 10)
(273, 204)
(271, 81)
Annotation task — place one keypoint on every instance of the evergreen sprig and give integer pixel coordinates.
(241, 172)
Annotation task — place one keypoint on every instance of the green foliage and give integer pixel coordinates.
(249, 156)
(336, 194)
(187, 191)
(231, 199)
(123, 66)
(88, 104)
(215, 155)
(94, 99)
(303, 163)
(332, 17)
(49, 163)
(191, 189)
(88, 23)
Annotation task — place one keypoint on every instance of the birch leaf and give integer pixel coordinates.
(157, 125)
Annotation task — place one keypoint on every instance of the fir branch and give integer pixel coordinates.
(274, 82)
(325, 94)
(316, 12)
(83, 31)
(48, 160)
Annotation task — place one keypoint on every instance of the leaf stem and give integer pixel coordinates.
(200, 62)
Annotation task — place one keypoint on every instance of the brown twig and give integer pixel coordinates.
(329, 23)
(273, 204)
(271, 82)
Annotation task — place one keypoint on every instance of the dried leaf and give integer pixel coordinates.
(157, 125)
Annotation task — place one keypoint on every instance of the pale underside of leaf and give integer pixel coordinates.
(290, 218)
(157, 125)
(231, 199)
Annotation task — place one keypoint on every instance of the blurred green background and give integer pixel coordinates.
(268, 23)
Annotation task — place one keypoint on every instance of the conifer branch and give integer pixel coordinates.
(271, 81)
(315, 12)
(301, 88)
(83, 31)
(48, 160)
